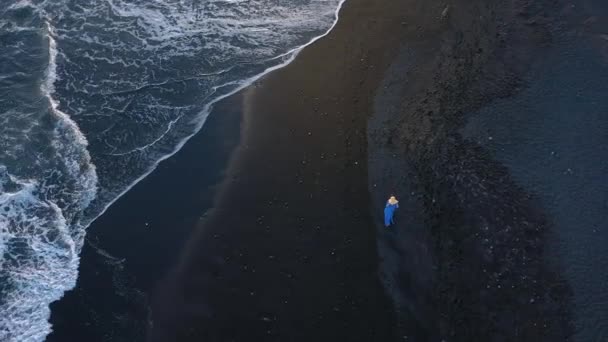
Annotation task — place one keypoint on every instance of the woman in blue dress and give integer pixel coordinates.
(389, 211)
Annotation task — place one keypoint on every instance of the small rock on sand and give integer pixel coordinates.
(445, 12)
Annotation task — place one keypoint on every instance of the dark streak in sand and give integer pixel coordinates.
(289, 252)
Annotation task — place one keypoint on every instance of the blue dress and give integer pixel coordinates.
(389, 212)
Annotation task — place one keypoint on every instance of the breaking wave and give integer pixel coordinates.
(46, 181)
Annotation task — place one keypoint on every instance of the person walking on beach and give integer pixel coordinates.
(389, 211)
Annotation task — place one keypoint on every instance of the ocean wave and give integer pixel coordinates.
(38, 252)
(46, 182)
(137, 85)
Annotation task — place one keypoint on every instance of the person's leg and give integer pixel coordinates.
(387, 218)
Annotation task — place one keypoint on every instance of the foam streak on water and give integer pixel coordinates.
(93, 96)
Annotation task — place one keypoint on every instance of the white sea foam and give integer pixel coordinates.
(20, 4)
(39, 260)
(40, 232)
(48, 88)
(70, 143)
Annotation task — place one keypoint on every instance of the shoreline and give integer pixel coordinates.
(292, 246)
(208, 108)
(129, 248)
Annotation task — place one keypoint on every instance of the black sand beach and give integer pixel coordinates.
(293, 249)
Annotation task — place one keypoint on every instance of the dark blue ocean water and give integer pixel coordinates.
(93, 95)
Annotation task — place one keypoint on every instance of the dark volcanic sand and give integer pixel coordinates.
(398, 98)
(503, 238)
(471, 251)
(289, 252)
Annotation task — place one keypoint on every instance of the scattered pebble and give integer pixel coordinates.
(445, 12)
